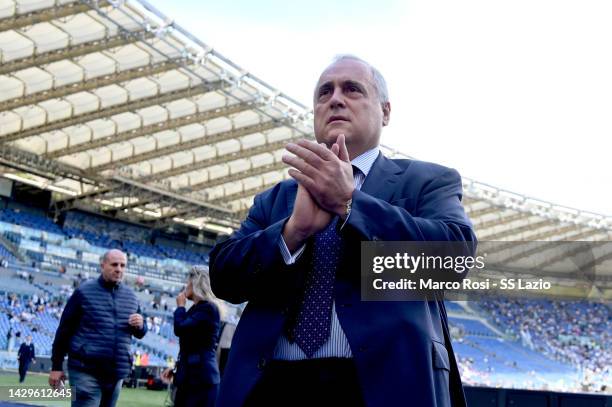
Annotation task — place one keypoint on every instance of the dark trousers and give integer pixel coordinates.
(204, 395)
(314, 382)
(23, 369)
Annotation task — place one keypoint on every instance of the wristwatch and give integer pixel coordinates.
(347, 208)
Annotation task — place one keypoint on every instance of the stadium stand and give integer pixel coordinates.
(58, 258)
(28, 309)
(571, 332)
(501, 342)
(137, 135)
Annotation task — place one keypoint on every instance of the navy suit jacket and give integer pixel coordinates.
(402, 350)
(198, 333)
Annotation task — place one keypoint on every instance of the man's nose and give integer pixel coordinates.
(337, 99)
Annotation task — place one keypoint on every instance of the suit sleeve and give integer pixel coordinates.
(439, 215)
(243, 265)
(195, 323)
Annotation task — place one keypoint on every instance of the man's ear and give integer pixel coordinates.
(386, 109)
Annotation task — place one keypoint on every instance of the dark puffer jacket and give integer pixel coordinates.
(94, 330)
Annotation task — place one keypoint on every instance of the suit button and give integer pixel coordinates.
(285, 311)
(261, 364)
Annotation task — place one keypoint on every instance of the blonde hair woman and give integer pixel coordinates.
(197, 373)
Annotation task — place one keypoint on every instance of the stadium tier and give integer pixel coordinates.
(491, 349)
(78, 244)
(503, 343)
(198, 138)
(47, 261)
(120, 129)
(195, 140)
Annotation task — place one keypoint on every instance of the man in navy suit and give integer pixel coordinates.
(305, 337)
(26, 355)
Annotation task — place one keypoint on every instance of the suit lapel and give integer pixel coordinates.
(381, 179)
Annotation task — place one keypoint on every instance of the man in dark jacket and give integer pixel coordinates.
(306, 336)
(95, 331)
(26, 355)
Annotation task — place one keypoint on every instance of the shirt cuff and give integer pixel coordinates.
(287, 256)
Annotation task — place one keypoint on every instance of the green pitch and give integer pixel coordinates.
(128, 398)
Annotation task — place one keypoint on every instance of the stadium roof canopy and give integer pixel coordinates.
(116, 108)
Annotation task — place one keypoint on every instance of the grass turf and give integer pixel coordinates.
(127, 398)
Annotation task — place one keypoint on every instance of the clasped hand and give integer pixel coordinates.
(325, 178)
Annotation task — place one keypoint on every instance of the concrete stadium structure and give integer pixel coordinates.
(115, 108)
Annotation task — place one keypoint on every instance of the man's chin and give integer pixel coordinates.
(332, 137)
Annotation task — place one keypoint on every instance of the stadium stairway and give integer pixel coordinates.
(9, 251)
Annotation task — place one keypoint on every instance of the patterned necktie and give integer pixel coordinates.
(313, 321)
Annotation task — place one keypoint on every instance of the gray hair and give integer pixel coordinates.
(379, 82)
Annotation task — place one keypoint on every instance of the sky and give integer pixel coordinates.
(515, 94)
